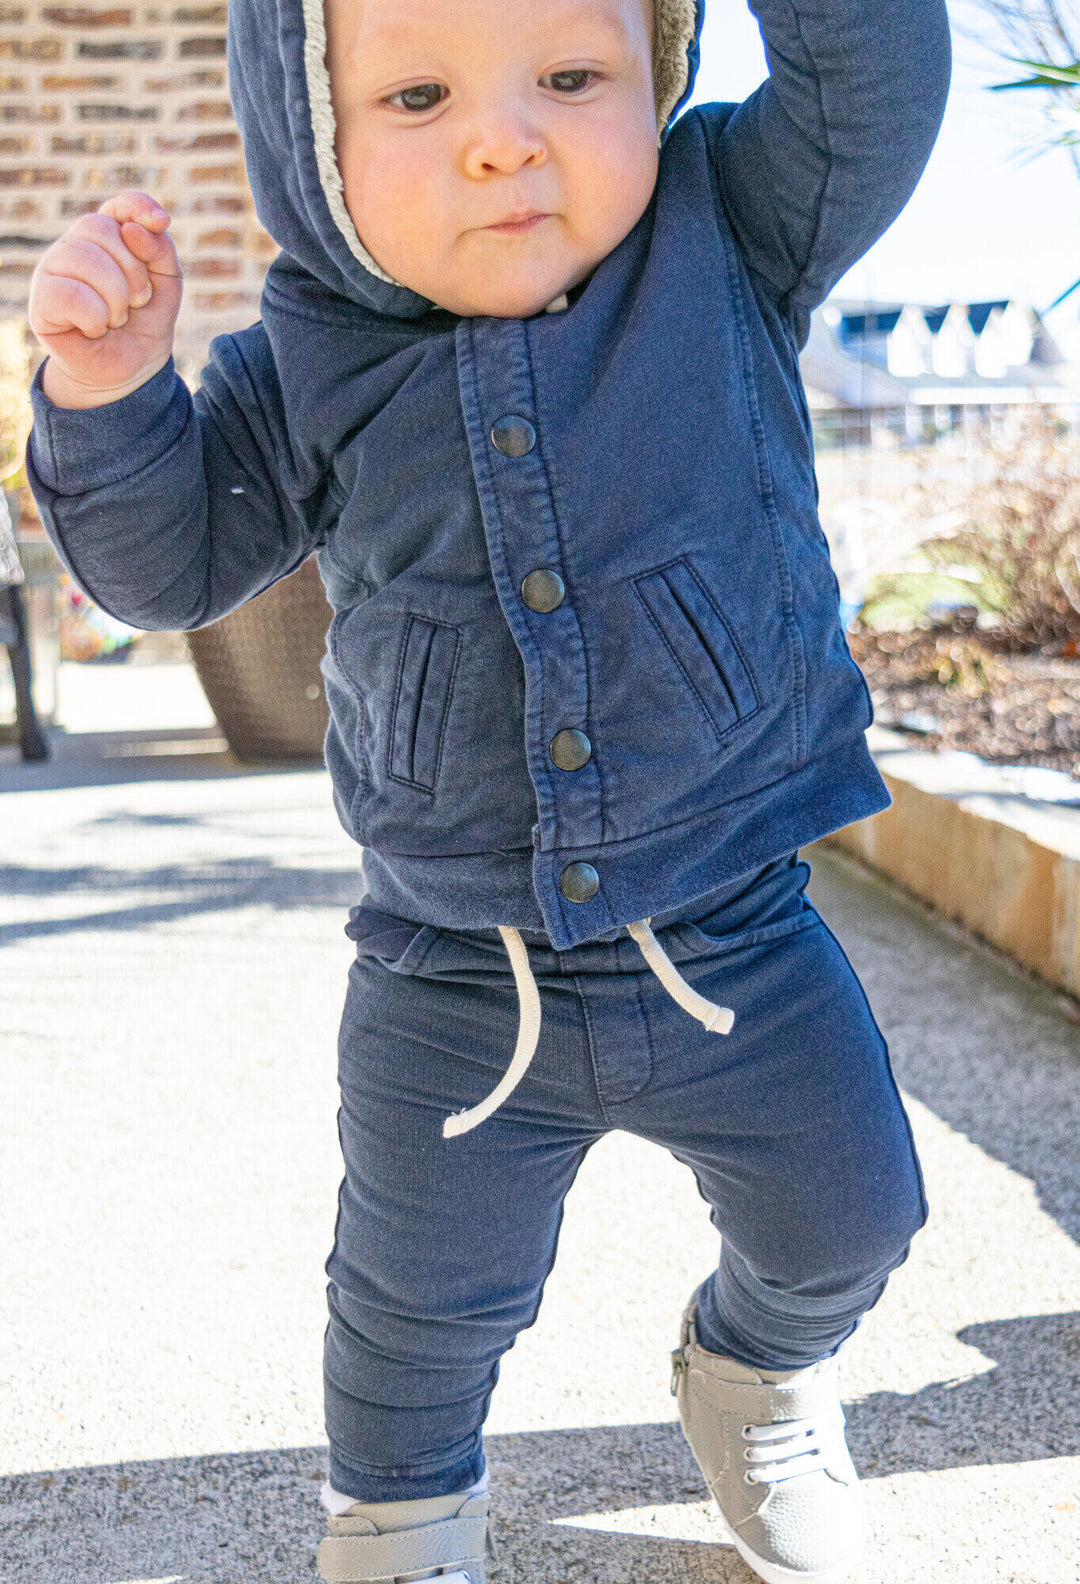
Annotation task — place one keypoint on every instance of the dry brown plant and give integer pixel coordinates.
(1019, 531)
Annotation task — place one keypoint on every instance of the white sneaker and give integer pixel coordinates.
(770, 1444)
(441, 1537)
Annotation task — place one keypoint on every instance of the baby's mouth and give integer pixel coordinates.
(521, 221)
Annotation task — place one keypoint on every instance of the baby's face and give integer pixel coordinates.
(492, 152)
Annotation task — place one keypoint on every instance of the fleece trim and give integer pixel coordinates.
(323, 128)
(675, 35)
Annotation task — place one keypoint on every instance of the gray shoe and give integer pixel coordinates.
(446, 1538)
(771, 1447)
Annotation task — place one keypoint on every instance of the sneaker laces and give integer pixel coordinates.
(791, 1447)
(717, 1019)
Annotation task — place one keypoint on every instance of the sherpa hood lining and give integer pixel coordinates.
(323, 128)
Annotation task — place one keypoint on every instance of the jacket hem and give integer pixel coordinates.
(661, 870)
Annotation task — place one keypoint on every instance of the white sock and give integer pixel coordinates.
(390, 1514)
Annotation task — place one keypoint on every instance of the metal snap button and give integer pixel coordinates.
(513, 436)
(570, 750)
(579, 882)
(543, 590)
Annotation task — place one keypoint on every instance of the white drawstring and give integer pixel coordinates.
(528, 1034)
(717, 1019)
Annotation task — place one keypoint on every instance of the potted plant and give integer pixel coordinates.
(259, 667)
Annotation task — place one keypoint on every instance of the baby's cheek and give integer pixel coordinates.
(613, 182)
(399, 214)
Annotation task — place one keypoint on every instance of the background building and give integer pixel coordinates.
(905, 374)
(94, 99)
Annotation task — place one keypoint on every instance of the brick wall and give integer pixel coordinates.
(94, 99)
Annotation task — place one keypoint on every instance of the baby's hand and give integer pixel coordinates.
(104, 300)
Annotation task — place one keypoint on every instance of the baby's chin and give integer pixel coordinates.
(496, 278)
(502, 293)
(499, 305)
(503, 300)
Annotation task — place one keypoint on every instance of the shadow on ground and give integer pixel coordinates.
(253, 1518)
(195, 888)
(85, 759)
(1026, 1407)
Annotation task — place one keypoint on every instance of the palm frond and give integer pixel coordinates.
(1047, 75)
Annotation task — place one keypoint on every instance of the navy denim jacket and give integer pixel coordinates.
(657, 461)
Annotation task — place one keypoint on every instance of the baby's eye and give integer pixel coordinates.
(569, 82)
(423, 96)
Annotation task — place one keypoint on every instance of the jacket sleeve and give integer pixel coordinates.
(171, 509)
(820, 160)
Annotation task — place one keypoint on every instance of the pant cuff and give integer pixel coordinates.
(409, 1485)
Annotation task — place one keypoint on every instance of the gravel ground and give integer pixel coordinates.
(171, 968)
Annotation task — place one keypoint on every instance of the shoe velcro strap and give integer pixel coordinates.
(364, 1559)
(783, 1402)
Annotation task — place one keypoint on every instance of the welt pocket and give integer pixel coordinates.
(700, 642)
(425, 680)
(702, 944)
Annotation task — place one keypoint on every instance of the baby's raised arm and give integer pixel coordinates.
(818, 162)
(169, 508)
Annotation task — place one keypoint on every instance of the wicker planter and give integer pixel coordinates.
(259, 667)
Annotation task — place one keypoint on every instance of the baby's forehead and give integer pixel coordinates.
(404, 22)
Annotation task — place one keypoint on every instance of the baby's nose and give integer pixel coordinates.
(501, 145)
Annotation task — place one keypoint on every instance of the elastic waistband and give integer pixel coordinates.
(758, 902)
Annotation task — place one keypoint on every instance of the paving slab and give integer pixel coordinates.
(172, 964)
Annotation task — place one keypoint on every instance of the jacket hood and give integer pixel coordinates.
(280, 92)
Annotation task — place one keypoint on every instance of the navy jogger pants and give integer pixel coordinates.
(791, 1123)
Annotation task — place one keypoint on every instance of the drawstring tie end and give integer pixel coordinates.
(721, 1020)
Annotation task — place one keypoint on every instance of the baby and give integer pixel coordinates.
(526, 378)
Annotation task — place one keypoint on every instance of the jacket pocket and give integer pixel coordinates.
(425, 679)
(700, 642)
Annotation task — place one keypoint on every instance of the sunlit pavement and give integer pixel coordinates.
(171, 973)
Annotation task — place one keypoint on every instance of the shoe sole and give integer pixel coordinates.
(773, 1573)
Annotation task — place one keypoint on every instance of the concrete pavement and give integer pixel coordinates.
(172, 964)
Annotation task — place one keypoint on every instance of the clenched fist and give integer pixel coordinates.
(104, 300)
